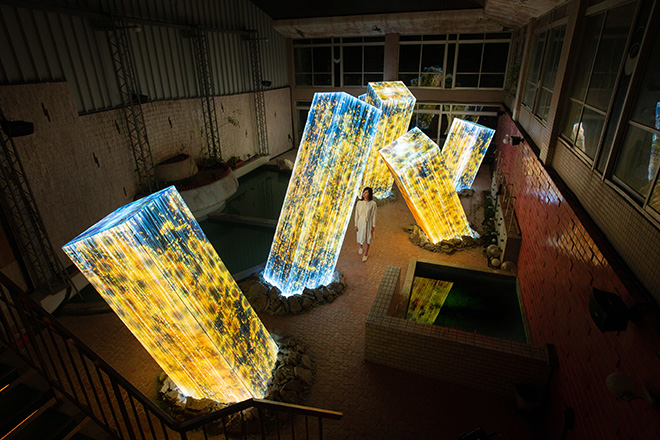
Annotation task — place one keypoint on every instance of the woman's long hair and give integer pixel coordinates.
(371, 193)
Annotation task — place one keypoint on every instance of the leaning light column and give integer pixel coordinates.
(426, 186)
(324, 183)
(397, 105)
(464, 151)
(156, 269)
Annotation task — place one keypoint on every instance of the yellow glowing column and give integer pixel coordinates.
(426, 186)
(154, 266)
(397, 105)
(324, 184)
(464, 150)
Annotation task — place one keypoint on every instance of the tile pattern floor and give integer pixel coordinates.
(377, 402)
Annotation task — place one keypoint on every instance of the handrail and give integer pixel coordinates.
(117, 381)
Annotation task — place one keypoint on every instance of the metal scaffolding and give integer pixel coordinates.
(205, 82)
(44, 269)
(259, 104)
(132, 98)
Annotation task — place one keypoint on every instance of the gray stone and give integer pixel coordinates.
(306, 361)
(289, 396)
(273, 295)
(318, 293)
(294, 385)
(255, 290)
(200, 405)
(259, 303)
(294, 304)
(307, 303)
(304, 375)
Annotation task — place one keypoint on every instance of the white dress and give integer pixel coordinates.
(365, 219)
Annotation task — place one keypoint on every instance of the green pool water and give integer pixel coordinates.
(260, 194)
(485, 306)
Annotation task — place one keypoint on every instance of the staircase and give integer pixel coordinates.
(30, 410)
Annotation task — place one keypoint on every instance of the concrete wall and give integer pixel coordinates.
(561, 259)
(80, 168)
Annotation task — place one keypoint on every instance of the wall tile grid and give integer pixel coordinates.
(559, 264)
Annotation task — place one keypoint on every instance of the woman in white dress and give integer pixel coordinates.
(365, 221)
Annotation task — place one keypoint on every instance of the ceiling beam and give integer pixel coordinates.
(412, 23)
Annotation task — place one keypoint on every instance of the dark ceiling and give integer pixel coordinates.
(291, 9)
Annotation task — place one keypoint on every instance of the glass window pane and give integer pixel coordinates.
(647, 102)
(372, 77)
(433, 55)
(432, 79)
(469, 58)
(353, 79)
(592, 127)
(571, 129)
(608, 59)
(323, 79)
(554, 53)
(322, 57)
(465, 80)
(543, 107)
(303, 79)
(492, 81)
(303, 59)
(352, 58)
(408, 79)
(495, 57)
(638, 160)
(374, 58)
(654, 201)
(586, 54)
(530, 92)
(409, 57)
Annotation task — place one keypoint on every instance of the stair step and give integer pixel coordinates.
(8, 374)
(80, 436)
(48, 425)
(18, 402)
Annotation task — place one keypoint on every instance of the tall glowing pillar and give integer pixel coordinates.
(156, 269)
(397, 105)
(426, 186)
(464, 150)
(325, 181)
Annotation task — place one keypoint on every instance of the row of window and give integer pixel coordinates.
(613, 128)
(433, 119)
(445, 61)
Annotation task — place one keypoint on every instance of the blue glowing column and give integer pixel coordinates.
(464, 150)
(325, 181)
(426, 186)
(153, 265)
(397, 104)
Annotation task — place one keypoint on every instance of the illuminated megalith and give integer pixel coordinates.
(464, 150)
(397, 105)
(428, 189)
(324, 183)
(156, 269)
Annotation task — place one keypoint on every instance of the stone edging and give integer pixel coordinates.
(266, 298)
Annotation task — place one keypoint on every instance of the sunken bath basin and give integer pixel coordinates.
(494, 358)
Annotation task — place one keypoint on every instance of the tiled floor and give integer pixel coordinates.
(377, 402)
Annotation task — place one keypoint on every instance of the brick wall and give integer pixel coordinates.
(473, 360)
(559, 263)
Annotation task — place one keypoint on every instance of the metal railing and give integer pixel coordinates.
(80, 375)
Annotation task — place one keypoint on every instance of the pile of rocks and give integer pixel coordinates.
(389, 199)
(419, 238)
(266, 298)
(292, 378)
